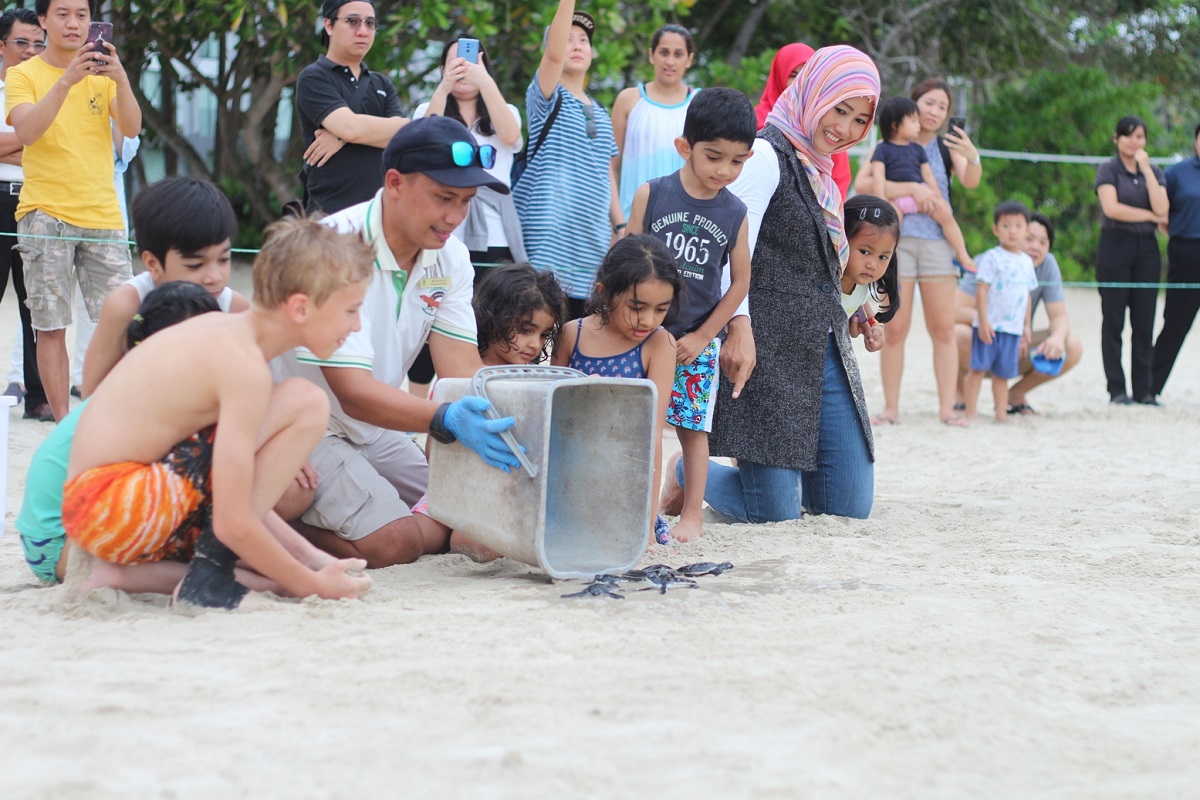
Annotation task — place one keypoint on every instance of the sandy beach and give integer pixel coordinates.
(1019, 618)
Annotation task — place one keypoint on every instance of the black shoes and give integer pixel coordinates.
(1122, 399)
(41, 412)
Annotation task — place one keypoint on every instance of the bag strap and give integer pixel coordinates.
(360, 91)
(546, 127)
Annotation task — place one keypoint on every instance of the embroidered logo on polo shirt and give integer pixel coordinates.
(433, 301)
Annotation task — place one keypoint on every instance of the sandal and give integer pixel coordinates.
(1024, 409)
(880, 420)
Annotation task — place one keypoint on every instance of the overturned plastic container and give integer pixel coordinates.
(581, 502)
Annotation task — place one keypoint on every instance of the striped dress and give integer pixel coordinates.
(649, 148)
(563, 198)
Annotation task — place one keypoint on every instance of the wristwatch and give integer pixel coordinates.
(437, 426)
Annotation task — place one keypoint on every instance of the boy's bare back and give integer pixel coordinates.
(176, 383)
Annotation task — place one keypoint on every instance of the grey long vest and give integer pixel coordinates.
(795, 299)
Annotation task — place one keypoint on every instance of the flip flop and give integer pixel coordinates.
(960, 406)
(1024, 409)
(956, 421)
(880, 420)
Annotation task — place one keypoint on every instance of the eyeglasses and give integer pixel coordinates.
(590, 130)
(356, 22)
(25, 44)
(463, 154)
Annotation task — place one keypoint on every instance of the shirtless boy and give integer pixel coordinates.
(186, 446)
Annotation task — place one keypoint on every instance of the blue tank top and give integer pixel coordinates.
(625, 365)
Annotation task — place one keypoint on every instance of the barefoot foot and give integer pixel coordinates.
(687, 529)
(670, 502)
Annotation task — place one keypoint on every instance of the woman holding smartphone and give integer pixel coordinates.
(492, 230)
(925, 257)
(468, 93)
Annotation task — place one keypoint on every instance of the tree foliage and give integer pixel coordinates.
(1019, 61)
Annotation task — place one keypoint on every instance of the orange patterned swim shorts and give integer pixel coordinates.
(133, 513)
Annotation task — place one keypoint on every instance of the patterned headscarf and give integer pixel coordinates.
(833, 75)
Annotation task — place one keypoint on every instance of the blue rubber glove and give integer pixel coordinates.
(465, 419)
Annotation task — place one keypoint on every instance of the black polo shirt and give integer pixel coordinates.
(1131, 191)
(353, 174)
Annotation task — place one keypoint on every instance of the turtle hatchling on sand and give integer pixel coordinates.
(667, 579)
(704, 568)
(598, 590)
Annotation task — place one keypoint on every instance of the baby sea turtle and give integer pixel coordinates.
(646, 572)
(665, 580)
(704, 568)
(598, 590)
(611, 580)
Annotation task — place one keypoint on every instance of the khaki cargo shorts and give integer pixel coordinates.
(362, 488)
(58, 255)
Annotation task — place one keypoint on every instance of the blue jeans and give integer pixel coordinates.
(843, 484)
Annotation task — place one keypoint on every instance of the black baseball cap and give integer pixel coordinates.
(424, 145)
(585, 21)
(329, 8)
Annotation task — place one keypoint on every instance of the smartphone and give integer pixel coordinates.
(860, 316)
(469, 49)
(98, 34)
(957, 122)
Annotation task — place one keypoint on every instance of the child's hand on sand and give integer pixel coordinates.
(334, 582)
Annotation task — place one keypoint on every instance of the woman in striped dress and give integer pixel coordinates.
(648, 118)
(567, 197)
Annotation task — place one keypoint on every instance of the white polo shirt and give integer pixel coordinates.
(399, 312)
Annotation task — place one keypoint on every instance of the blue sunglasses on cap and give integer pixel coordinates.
(462, 154)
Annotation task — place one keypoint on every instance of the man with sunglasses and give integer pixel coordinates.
(370, 472)
(21, 38)
(348, 114)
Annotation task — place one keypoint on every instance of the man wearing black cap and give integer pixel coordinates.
(370, 473)
(348, 114)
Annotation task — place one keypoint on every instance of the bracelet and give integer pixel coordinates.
(620, 226)
(977, 160)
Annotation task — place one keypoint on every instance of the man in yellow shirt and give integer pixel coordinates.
(68, 221)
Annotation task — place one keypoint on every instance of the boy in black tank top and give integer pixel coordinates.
(704, 226)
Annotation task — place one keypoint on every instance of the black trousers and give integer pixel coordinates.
(1128, 258)
(10, 263)
(1179, 310)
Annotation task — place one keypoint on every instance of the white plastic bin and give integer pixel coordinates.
(587, 508)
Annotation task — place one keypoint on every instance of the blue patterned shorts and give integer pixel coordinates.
(694, 394)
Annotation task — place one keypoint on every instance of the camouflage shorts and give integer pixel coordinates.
(55, 260)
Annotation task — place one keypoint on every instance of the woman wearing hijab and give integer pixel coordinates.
(784, 68)
(798, 427)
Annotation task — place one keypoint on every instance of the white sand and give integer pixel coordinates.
(1019, 618)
